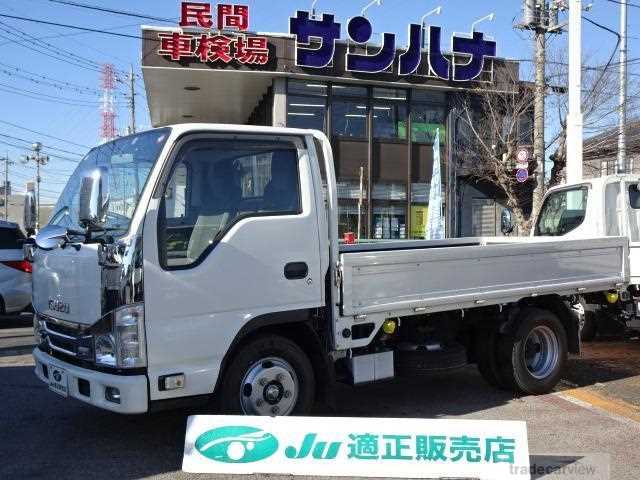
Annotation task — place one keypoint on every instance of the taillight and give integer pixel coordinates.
(21, 265)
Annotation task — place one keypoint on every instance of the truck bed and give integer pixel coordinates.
(405, 277)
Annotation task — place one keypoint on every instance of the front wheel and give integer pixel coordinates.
(270, 375)
(532, 360)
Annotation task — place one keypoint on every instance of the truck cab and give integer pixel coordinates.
(605, 206)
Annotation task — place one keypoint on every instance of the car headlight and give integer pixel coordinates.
(124, 346)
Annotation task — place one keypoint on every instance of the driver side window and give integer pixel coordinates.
(216, 183)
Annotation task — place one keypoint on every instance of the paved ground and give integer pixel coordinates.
(593, 419)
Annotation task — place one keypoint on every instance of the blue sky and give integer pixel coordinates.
(72, 112)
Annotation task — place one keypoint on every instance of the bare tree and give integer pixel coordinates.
(489, 134)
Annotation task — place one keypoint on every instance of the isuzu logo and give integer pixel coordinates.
(58, 305)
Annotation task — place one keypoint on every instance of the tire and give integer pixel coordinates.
(589, 329)
(420, 361)
(486, 357)
(269, 375)
(531, 361)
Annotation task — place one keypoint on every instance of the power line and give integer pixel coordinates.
(46, 146)
(634, 5)
(75, 27)
(44, 134)
(113, 11)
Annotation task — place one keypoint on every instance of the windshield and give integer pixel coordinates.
(562, 212)
(128, 162)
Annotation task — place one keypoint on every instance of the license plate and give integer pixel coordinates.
(58, 380)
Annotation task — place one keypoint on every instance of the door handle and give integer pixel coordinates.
(296, 270)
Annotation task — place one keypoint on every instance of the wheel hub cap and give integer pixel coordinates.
(542, 352)
(270, 387)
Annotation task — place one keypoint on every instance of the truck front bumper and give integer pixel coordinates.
(90, 386)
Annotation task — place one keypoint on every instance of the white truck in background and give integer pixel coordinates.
(202, 262)
(598, 207)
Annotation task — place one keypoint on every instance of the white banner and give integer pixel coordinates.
(435, 220)
(362, 447)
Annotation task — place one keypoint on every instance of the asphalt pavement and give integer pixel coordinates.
(589, 425)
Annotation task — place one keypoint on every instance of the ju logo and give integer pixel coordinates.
(236, 444)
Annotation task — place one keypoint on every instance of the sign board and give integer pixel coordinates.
(363, 447)
(198, 41)
(316, 39)
(522, 175)
(522, 156)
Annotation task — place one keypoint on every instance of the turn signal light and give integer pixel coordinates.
(21, 265)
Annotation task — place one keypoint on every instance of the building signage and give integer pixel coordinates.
(316, 48)
(363, 447)
(197, 41)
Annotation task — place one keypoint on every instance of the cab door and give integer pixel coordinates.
(230, 235)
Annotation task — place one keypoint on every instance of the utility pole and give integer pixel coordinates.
(542, 18)
(7, 162)
(623, 167)
(539, 112)
(574, 116)
(132, 101)
(40, 160)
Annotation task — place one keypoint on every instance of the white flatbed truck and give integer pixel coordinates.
(202, 262)
(597, 207)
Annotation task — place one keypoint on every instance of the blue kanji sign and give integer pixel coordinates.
(316, 39)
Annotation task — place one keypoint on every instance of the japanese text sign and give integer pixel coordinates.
(316, 39)
(365, 447)
(211, 47)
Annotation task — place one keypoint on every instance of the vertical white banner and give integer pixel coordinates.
(435, 220)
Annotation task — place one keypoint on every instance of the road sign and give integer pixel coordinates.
(522, 175)
(522, 156)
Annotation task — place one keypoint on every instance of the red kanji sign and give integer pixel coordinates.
(212, 48)
(176, 45)
(233, 17)
(252, 50)
(196, 14)
(244, 49)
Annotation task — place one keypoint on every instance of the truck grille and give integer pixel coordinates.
(66, 339)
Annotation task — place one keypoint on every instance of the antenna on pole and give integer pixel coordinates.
(108, 113)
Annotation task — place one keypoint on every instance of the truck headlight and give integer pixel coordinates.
(37, 330)
(129, 334)
(124, 346)
(105, 350)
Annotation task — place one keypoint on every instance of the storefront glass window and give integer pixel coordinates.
(301, 87)
(426, 119)
(306, 112)
(349, 118)
(349, 91)
(390, 121)
(389, 220)
(390, 94)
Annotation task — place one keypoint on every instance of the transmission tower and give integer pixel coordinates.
(108, 112)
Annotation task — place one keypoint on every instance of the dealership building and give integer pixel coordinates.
(383, 100)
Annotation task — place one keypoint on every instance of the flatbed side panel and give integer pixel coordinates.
(449, 278)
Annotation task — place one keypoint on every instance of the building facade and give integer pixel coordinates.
(382, 107)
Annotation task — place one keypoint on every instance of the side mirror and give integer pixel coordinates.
(506, 222)
(29, 215)
(51, 236)
(94, 200)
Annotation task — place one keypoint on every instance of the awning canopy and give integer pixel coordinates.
(178, 95)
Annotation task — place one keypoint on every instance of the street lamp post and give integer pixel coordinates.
(435, 11)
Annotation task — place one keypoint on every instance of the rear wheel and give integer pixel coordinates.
(270, 375)
(486, 356)
(531, 360)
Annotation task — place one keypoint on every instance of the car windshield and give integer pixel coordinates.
(127, 162)
(562, 212)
